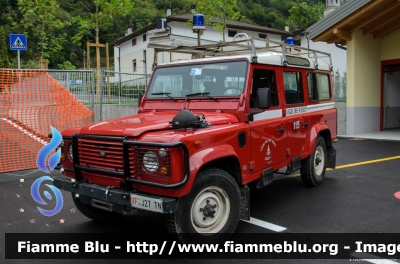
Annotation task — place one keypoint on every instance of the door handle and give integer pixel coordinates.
(281, 130)
(306, 124)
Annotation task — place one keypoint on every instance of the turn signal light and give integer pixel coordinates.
(164, 171)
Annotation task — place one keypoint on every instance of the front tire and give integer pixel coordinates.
(210, 212)
(314, 166)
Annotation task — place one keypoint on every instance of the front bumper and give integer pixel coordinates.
(117, 199)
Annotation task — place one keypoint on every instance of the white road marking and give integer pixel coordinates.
(23, 130)
(372, 259)
(19, 175)
(266, 225)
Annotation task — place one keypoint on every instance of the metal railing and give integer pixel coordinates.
(101, 87)
(340, 88)
(122, 88)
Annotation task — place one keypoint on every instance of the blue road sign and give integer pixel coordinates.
(18, 42)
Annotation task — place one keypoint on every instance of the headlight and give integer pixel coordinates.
(70, 151)
(162, 152)
(150, 161)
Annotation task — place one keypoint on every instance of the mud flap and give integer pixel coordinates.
(331, 158)
(294, 166)
(245, 203)
(267, 177)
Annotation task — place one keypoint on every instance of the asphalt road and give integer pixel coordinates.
(358, 198)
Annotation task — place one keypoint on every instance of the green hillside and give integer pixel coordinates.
(59, 29)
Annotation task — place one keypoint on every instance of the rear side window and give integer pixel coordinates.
(293, 88)
(318, 86)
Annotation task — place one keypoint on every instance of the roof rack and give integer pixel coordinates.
(181, 44)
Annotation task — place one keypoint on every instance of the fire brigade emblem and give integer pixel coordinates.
(268, 154)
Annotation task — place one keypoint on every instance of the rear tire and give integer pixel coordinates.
(314, 166)
(210, 212)
(94, 213)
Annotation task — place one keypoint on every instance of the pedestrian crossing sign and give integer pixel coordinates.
(18, 42)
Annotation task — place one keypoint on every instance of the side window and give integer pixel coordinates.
(293, 88)
(318, 86)
(263, 79)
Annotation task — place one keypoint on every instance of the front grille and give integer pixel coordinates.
(101, 155)
(119, 157)
(108, 155)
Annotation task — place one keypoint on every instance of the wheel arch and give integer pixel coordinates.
(229, 164)
(319, 129)
(223, 157)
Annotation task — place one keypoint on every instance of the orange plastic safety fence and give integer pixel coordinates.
(30, 102)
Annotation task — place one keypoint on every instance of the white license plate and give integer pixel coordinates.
(146, 203)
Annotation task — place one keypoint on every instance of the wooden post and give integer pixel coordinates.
(97, 45)
(88, 67)
(98, 70)
(108, 74)
(44, 63)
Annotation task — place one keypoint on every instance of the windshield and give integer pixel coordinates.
(213, 79)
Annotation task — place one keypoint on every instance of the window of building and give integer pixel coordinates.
(293, 88)
(134, 42)
(263, 36)
(134, 65)
(318, 87)
(144, 37)
(232, 33)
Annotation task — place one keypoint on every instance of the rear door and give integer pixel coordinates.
(297, 120)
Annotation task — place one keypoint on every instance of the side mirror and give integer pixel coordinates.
(140, 99)
(264, 98)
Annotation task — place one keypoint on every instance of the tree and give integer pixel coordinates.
(4, 62)
(40, 22)
(217, 12)
(101, 16)
(303, 15)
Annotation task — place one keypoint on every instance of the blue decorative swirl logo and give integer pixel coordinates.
(46, 150)
(41, 163)
(36, 196)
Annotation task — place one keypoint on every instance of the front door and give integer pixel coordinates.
(391, 102)
(268, 133)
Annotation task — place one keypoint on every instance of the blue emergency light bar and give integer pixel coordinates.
(198, 22)
(290, 41)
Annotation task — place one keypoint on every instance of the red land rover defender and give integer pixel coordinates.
(205, 129)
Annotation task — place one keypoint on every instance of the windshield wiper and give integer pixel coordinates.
(202, 94)
(167, 94)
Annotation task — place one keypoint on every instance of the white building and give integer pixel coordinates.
(132, 55)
